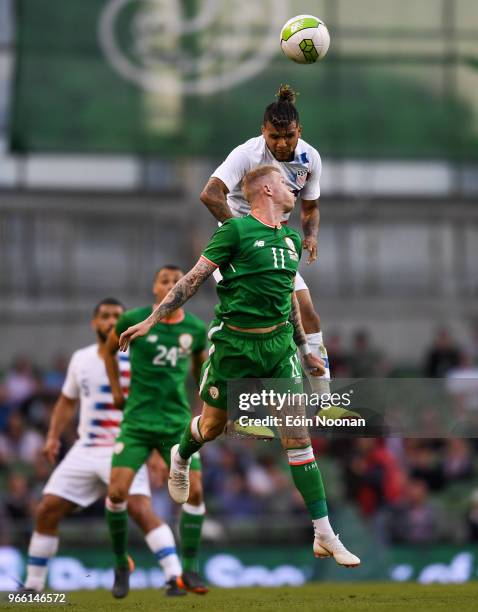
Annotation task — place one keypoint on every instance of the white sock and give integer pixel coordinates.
(162, 544)
(322, 528)
(195, 510)
(319, 384)
(41, 549)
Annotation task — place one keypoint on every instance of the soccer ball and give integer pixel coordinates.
(305, 39)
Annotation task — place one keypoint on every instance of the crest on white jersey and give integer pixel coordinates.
(301, 178)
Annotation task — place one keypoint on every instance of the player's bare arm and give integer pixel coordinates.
(214, 196)
(315, 364)
(310, 219)
(112, 368)
(63, 412)
(182, 291)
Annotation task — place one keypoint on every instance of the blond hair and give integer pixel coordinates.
(249, 182)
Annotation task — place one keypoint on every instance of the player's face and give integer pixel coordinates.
(282, 193)
(106, 319)
(281, 142)
(164, 282)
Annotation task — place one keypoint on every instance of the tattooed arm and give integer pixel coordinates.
(214, 197)
(299, 334)
(310, 218)
(311, 362)
(184, 289)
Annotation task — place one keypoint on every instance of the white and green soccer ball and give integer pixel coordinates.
(305, 39)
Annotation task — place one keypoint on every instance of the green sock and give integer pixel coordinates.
(190, 526)
(118, 528)
(308, 480)
(189, 445)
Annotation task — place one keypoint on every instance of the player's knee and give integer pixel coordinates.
(210, 429)
(117, 494)
(288, 443)
(48, 512)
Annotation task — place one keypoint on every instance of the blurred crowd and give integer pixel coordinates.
(411, 491)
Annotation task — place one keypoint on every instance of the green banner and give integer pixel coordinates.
(192, 78)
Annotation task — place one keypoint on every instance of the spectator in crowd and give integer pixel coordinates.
(416, 520)
(19, 444)
(424, 464)
(19, 502)
(472, 517)
(457, 460)
(20, 381)
(373, 476)
(462, 384)
(53, 377)
(338, 357)
(365, 360)
(443, 355)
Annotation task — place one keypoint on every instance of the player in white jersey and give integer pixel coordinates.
(279, 145)
(83, 475)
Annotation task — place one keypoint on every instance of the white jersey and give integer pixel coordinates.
(302, 174)
(87, 381)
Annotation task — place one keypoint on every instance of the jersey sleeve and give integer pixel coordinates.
(223, 244)
(311, 189)
(122, 324)
(233, 168)
(71, 388)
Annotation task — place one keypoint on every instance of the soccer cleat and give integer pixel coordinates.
(333, 547)
(259, 432)
(178, 483)
(174, 588)
(192, 581)
(121, 584)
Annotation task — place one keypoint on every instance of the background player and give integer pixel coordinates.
(279, 145)
(155, 414)
(82, 476)
(252, 337)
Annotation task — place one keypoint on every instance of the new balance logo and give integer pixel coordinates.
(259, 243)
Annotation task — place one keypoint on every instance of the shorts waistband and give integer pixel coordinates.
(284, 325)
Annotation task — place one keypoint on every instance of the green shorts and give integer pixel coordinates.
(133, 447)
(234, 355)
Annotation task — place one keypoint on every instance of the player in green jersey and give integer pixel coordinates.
(155, 414)
(281, 145)
(256, 335)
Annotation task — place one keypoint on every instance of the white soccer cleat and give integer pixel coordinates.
(333, 547)
(178, 483)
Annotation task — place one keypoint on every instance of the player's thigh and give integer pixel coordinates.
(132, 449)
(228, 360)
(140, 484)
(120, 483)
(52, 507)
(75, 478)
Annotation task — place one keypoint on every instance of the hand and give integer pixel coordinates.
(51, 449)
(315, 365)
(135, 331)
(310, 244)
(118, 400)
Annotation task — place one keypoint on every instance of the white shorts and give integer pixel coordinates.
(299, 281)
(83, 476)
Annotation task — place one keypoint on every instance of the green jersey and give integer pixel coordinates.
(258, 263)
(160, 362)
